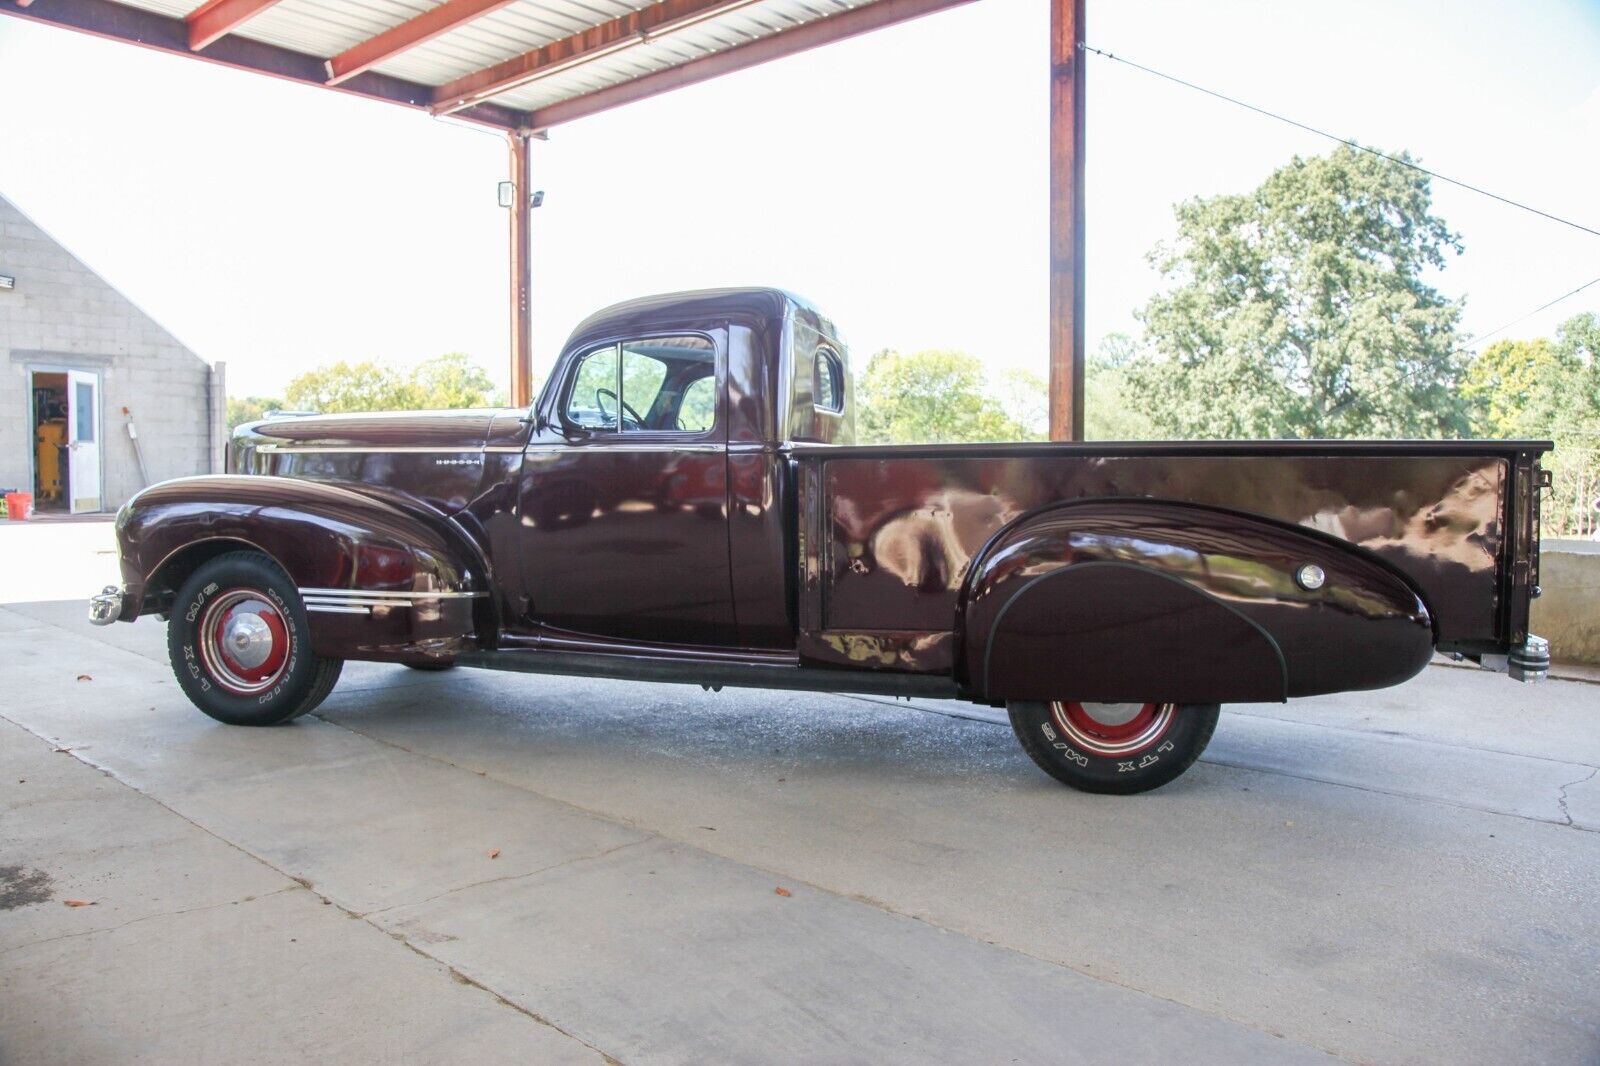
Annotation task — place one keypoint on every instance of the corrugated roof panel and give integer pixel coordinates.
(674, 49)
(599, 74)
(501, 35)
(173, 8)
(326, 27)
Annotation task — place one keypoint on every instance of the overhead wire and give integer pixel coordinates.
(1343, 140)
(1542, 307)
(1381, 155)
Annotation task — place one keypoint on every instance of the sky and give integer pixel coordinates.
(898, 179)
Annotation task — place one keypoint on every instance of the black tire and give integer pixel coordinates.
(293, 681)
(430, 667)
(1123, 759)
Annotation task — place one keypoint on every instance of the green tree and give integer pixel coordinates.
(1024, 397)
(1301, 309)
(929, 397)
(1549, 389)
(1108, 411)
(442, 382)
(452, 381)
(242, 409)
(1506, 380)
(344, 387)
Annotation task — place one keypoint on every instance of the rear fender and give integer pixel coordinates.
(1157, 600)
(382, 578)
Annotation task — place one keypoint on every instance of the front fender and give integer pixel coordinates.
(337, 542)
(1158, 600)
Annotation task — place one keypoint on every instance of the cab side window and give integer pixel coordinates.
(643, 375)
(592, 403)
(649, 385)
(699, 407)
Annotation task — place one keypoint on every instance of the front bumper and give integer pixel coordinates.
(108, 606)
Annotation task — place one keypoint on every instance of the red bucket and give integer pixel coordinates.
(19, 506)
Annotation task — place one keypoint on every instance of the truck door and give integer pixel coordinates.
(624, 530)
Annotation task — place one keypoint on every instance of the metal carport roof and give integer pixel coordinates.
(526, 65)
(515, 64)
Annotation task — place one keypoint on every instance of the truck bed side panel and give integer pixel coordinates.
(901, 528)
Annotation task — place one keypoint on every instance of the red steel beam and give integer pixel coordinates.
(521, 269)
(147, 29)
(801, 38)
(425, 27)
(1066, 219)
(626, 31)
(218, 18)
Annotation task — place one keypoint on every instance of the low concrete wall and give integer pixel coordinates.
(1568, 613)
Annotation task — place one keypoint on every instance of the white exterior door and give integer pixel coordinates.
(83, 441)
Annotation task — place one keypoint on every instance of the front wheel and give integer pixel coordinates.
(240, 645)
(1117, 748)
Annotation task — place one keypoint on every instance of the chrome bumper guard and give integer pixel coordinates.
(106, 607)
(1531, 661)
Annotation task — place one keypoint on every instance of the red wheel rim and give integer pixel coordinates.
(244, 641)
(1113, 729)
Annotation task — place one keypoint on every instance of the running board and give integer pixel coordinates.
(713, 673)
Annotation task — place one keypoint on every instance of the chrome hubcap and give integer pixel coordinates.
(1112, 714)
(248, 639)
(245, 641)
(1113, 729)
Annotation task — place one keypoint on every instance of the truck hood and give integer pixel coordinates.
(444, 458)
(398, 429)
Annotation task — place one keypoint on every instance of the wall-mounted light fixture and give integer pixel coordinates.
(506, 191)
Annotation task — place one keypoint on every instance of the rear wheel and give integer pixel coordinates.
(240, 645)
(1118, 748)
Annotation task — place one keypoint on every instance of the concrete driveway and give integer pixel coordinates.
(498, 868)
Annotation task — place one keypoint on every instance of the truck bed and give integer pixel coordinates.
(893, 529)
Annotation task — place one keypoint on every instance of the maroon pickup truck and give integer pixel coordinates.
(685, 502)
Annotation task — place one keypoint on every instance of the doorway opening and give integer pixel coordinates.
(65, 422)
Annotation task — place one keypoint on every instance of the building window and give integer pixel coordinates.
(83, 411)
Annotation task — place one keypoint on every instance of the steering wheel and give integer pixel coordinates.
(627, 408)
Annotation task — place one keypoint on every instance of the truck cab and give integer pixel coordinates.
(659, 457)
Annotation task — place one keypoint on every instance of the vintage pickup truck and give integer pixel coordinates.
(685, 502)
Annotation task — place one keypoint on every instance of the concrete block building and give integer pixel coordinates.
(79, 363)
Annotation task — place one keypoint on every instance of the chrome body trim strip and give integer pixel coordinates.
(396, 449)
(365, 594)
(388, 449)
(661, 446)
(328, 608)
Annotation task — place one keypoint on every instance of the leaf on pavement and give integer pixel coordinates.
(78, 902)
(494, 853)
(780, 890)
(85, 677)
